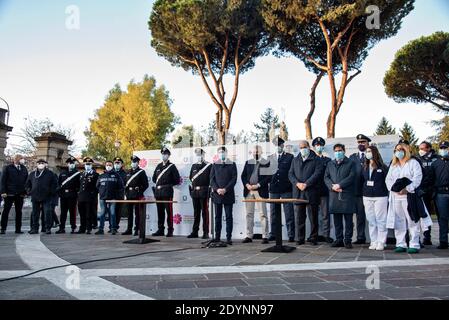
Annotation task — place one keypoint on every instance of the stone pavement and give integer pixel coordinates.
(238, 272)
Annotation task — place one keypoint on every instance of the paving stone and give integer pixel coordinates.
(295, 280)
(437, 290)
(225, 276)
(175, 284)
(221, 283)
(264, 281)
(264, 290)
(405, 293)
(297, 296)
(406, 283)
(319, 287)
(352, 295)
(32, 289)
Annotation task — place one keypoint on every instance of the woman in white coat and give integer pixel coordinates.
(403, 166)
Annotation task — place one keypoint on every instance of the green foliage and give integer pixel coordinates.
(269, 121)
(442, 131)
(408, 133)
(420, 72)
(139, 118)
(384, 128)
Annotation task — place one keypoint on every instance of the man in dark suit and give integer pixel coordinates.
(166, 176)
(304, 175)
(359, 159)
(281, 188)
(14, 177)
(88, 197)
(199, 191)
(223, 178)
(255, 179)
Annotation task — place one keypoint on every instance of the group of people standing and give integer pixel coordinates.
(398, 196)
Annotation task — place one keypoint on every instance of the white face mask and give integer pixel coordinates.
(41, 166)
(22, 161)
(88, 167)
(117, 166)
(72, 166)
(422, 153)
(109, 168)
(134, 165)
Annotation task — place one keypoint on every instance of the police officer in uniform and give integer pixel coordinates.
(88, 197)
(324, 217)
(281, 188)
(68, 187)
(135, 187)
(119, 207)
(165, 177)
(427, 156)
(360, 159)
(199, 191)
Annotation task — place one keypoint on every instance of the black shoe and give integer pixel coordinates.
(193, 236)
(229, 242)
(43, 231)
(421, 245)
(99, 233)
(272, 238)
(94, 227)
(329, 240)
(443, 246)
(127, 233)
(33, 232)
(427, 242)
(291, 240)
(205, 236)
(48, 231)
(2, 232)
(110, 231)
(337, 244)
(73, 231)
(81, 231)
(359, 242)
(60, 231)
(314, 242)
(89, 232)
(19, 232)
(265, 241)
(309, 240)
(55, 225)
(348, 245)
(247, 240)
(301, 243)
(159, 233)
(169, 235)
(114, 232)
(321, 239)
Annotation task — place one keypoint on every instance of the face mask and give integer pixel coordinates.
(319, 149)
(339, 155)
(108, 168)
(134, 165)
(362, 148)
(117, 166)
(88, 167)
(369, 156)
(199, 159)
(399, 154)
(305, 152)
(422, 153)
(165, 157)
(444, 153)
(41, 167)
(72, 166)
(22, 161)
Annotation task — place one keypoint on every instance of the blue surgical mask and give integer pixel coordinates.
(134, 165)
(88, 167)
(165, 157)
(222, 156)
(400, 155)
(339, 155)
(444, 153)
(319, 149)
(305, 152)
(117, 166)
(369, 156)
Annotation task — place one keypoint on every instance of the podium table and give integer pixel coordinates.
(278, 221)
(142, 216)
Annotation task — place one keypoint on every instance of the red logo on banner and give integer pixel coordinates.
(177, 218)
(143, 163)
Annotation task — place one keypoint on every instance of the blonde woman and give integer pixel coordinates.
(404, 177)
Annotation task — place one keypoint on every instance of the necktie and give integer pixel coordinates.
(363, 158)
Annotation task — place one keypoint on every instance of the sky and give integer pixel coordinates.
(49, 70)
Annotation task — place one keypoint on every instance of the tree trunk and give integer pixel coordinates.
(308, 120)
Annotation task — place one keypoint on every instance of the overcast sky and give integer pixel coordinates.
(47, 70)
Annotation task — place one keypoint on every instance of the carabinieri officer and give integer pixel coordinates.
(135, 187)
(165, 177)
(88, 197)
(199, 191)
(68, 187)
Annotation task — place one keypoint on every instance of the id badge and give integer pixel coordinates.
(370, 183)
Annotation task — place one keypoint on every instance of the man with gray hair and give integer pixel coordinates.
(12, 190)
(255, 179)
